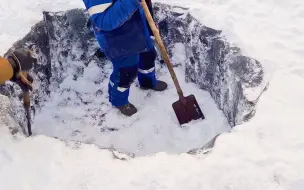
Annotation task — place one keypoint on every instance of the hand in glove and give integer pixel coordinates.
(22, 60)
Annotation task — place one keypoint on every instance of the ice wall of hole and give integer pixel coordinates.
(234, 81)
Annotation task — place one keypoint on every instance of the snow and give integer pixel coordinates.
(265, 153)
(153, 129)
(80, 111)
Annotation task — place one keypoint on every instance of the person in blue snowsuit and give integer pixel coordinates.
(123, 34)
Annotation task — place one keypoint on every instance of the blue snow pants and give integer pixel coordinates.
(125, 71)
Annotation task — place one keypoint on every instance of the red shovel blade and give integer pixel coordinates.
(188, 110)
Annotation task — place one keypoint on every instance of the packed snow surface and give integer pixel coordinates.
(265, 153)
(154, 128)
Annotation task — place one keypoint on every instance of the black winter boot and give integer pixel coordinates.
(128, 109)
(160, 86)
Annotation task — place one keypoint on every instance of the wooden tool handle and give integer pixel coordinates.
(26, 99)
(23, 77)
(162, 48)
(27, 105)
(27, 102)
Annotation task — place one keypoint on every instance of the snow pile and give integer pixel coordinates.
(7, 121)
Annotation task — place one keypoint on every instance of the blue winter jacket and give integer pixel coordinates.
(120, 26)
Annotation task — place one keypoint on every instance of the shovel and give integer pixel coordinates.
(186, 108)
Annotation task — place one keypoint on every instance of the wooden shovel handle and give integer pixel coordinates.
(23, 77)
(162, 48)
(27, 101)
